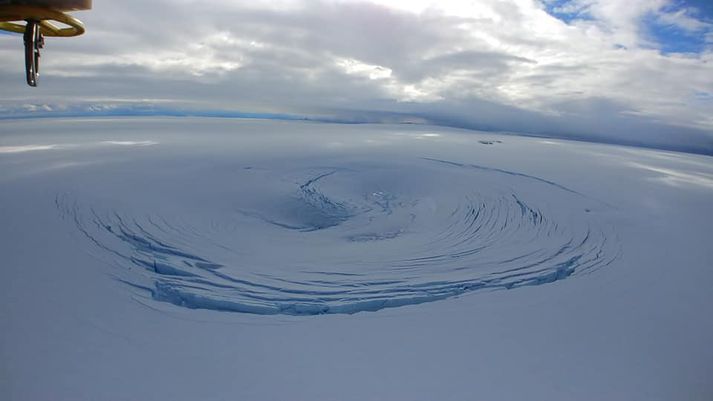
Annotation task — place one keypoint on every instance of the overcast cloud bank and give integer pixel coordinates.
(637, 72)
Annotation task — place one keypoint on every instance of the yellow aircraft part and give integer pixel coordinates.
(59, 5)
(43, 15)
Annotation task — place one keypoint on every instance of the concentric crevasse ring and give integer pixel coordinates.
(354, 237)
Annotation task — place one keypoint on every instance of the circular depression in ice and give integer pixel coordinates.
(297, 237)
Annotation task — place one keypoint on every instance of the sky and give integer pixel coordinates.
(634, 72)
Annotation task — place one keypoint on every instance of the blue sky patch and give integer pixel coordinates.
(564, 10)
(674, 39)
(661, 32)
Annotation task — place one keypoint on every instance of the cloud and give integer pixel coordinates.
(579, 68)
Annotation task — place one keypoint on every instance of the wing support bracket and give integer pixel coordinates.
(38, 24)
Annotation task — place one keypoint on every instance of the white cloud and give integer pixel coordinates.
(352, 66)
(502, 64)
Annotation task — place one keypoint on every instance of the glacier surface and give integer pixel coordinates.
(294, 260)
